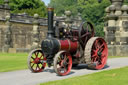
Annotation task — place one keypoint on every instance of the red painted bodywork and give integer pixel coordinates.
(68, 45)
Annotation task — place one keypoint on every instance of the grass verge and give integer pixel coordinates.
(110, 77)
(116, 56)
(10, 61)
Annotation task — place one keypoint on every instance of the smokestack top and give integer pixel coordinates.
(50, 9)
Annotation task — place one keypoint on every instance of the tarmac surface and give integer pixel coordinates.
(26, 77)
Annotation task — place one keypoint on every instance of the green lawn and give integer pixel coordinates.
(116, 56)
(10, 61)
(110, 77)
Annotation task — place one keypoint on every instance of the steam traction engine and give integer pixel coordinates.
(64, 48)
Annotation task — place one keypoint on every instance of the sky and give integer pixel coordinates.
(46, 1)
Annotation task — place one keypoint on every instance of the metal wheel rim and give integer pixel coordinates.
(63, 65)
(36, 61)
(93, 57)
(100, 54)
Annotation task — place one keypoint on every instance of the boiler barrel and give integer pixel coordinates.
(68, 45)
(52, 46)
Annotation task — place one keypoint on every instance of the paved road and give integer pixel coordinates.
(25, 77)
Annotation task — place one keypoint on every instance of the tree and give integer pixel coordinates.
(29, 6)
(1, 1)
(60, 6)
(94, 12)
(90, 10)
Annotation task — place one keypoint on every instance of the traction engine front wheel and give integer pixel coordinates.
(36, 61)
(62, 63)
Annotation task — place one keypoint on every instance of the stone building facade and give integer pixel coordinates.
(116, 28)
(20, 32)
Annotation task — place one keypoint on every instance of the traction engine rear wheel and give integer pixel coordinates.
(96, 53)
(36, 61)
(62, 63)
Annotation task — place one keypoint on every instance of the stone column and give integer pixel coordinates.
(68, 20)
(6, 7)
(7, 37)
(111, 25)
(123, 23)
(107, 10)
(79, 20)
(118, 4)
(35, 32)
(117, 28)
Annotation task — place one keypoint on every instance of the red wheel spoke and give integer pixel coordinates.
(67, 61)
(94, 59)
(59, 69)
(96, 44)
(65, 70)
(103, 54)
(94, 51)
(100, 50)
(101, 46)
(99, 61)
(65, 57)
(93, 55)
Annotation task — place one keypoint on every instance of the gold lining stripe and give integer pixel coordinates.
(69, 45)
(50, 9)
